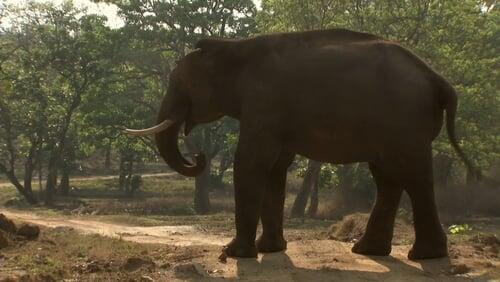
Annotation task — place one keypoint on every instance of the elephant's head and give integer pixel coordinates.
(191, 100)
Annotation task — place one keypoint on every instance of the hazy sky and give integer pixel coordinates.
(108, 10)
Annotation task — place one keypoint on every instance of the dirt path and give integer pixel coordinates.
(172, 235)
(305, 260)
(103, 177)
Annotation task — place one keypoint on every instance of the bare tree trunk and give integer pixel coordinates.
(313, 205)
(59, 146)
(201, 193)
(26, 190)
(64, 184)
(40, 182)
(442, 170)
(28, 174)
(217, 180)
(311, 177)
(129, 173)
(13, 179)
(202, 182)
(344, 191)
(122, 173)
(107, 160)
(51, 183)
(470, 179)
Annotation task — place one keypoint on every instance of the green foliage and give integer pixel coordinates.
(459, 39)
(459, 228)
(69, 84)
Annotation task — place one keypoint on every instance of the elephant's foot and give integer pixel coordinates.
(428, 251)
(267, 244)
(236, 248)
(371, 247)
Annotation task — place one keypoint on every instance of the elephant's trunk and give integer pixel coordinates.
(176, 107)
(166, 142)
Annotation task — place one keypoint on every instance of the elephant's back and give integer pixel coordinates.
(339, 94)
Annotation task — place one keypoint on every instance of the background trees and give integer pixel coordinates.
(172, 28)
(69, 84)
(52, 60)
(458, 39)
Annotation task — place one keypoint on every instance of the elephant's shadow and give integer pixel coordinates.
(280, 267)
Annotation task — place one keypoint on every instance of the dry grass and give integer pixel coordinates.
(61, 253)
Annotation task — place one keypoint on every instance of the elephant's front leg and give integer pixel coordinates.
(252, 168)
(271, 214)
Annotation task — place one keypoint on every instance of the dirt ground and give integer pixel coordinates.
(186, 253)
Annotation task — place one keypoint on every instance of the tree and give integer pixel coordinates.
(174, 27)
(458, 39)
(310, 184)
(53, 56)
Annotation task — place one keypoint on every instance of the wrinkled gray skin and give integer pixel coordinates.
(333, 96)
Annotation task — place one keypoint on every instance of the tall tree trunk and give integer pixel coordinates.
(122, 173)
(442, 170)
(470, 179)
(40, 182)
(129, 173)
(202, 181)
(107, 160)
(28, 174)
(20, 188)
(59, 146)
(312, 210)
(10, 172)
(311, 177)
(226, 161)
(29, 165)
(51, 183)
(344, 191)
(201, 191)
(64, 184)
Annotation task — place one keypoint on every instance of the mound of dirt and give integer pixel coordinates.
(352, 227)
(485, 239)
(3, 240)
(7, 225)
(29, 231)
(487, 243)
(9, 230)
(135, 263)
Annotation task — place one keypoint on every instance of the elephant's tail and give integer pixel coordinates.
(450, 106)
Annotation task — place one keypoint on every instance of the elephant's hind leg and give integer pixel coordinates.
(271, 214)
(378, 235)
(430, 239)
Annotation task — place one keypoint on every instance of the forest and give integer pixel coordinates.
(71, 82)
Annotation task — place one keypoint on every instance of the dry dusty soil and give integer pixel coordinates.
(305, 260)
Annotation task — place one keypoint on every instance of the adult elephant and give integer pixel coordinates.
(333, 96)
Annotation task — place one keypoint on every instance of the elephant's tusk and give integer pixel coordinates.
(152, 130)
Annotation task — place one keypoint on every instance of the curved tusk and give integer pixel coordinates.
(152, 130)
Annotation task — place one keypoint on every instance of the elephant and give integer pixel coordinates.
(335, 96)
